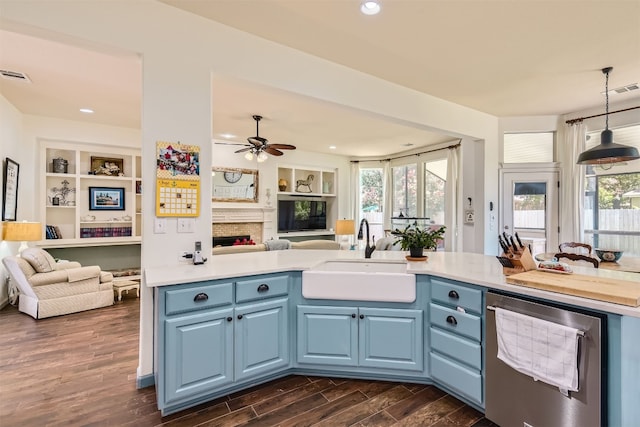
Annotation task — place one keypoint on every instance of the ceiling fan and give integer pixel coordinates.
(260, 146)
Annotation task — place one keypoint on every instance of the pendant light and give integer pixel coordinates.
(608, 151)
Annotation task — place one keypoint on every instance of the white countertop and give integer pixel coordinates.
(472, 268)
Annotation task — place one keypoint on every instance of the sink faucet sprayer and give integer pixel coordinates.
(368, 250)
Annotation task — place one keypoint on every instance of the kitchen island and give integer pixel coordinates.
(257, 336)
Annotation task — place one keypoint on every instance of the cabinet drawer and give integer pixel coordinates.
(199, 297)
(461, 349)
(465, 324)
(456, 295)
(461, 379)
(261, 288)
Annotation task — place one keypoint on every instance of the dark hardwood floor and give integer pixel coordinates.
(80, 370)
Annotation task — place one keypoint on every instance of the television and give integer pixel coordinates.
(301, 215)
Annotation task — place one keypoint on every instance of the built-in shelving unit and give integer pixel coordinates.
(302, 183)
(64, 195)
(306, 181)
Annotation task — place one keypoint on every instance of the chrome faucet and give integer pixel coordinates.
(368, 250)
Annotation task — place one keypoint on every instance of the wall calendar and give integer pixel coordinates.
(177, 180)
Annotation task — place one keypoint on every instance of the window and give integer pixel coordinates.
(372, 199)
(612, 212)
(612, 199)
(435, 175)
(528, 147)
(529, 200)
(405, 190)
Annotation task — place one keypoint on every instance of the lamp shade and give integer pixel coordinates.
(14, 231)
(608, 152)
(345, 227)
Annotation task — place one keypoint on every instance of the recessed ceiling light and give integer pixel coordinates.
(332, 147)
(86, 110)
(370, 7)
(227, 135)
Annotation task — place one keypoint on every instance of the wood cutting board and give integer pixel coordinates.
(617, 291)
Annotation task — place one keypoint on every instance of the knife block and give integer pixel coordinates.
(522, 261)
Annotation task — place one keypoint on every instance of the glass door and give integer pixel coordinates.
(530, 207)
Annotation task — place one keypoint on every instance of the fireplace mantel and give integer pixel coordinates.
(230, 219)
(237, 214)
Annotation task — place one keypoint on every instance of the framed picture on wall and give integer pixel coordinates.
(10, 190)
(106, 199)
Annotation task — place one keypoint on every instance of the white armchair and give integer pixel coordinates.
(47, 288)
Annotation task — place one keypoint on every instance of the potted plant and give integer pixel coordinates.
(416, 239)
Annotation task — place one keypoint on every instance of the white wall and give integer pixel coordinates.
(180, 51)
(11, 146)
(224, 156)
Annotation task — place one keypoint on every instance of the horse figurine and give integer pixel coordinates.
(304, 183)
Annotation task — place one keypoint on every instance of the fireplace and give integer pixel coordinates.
(254, 223)
(228, 240)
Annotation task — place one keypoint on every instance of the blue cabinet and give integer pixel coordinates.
(328, 335)
(261, 338)
(200, 353)
(455, 336)
(217, 334)
(360, 336)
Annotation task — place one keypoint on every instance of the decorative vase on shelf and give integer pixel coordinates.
(326, 187)
(282, 184)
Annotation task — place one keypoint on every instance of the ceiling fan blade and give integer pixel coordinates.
(273, 151)
(257, 140)
(230, 143)
(243, 150)
(283, 146)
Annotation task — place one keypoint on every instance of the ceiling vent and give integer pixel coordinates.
(15, 75)
(624, 89)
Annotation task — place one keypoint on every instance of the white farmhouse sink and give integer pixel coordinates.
(363, 266)
(359, 281)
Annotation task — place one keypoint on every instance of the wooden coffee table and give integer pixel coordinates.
(120, 286)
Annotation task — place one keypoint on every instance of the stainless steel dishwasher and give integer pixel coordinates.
(514, 399)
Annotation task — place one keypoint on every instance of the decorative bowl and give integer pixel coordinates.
(607, 255)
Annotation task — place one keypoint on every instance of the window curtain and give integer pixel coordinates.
(572, 143)
(387, 189)
(354, 200)
(451, 201)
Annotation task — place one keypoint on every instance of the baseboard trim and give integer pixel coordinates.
(145, 381)
(4, 303)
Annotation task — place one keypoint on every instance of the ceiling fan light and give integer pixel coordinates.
(248, 155)
(262, 156)
(370, 7)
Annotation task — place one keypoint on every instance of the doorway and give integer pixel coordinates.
(530, 203)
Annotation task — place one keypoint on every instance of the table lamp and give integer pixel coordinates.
(345, 228)
(14, 231)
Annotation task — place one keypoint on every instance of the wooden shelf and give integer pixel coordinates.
(78, 163)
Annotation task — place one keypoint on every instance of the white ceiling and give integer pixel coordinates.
(506, 58)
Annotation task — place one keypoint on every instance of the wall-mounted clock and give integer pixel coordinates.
(232, 177)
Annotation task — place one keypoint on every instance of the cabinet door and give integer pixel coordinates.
(391, 338)
(261, 338)
(198, 353)
(328, 335)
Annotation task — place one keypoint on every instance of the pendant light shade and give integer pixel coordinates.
(608, 151)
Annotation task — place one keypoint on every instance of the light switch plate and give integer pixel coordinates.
(160, 225)
(186, 225)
